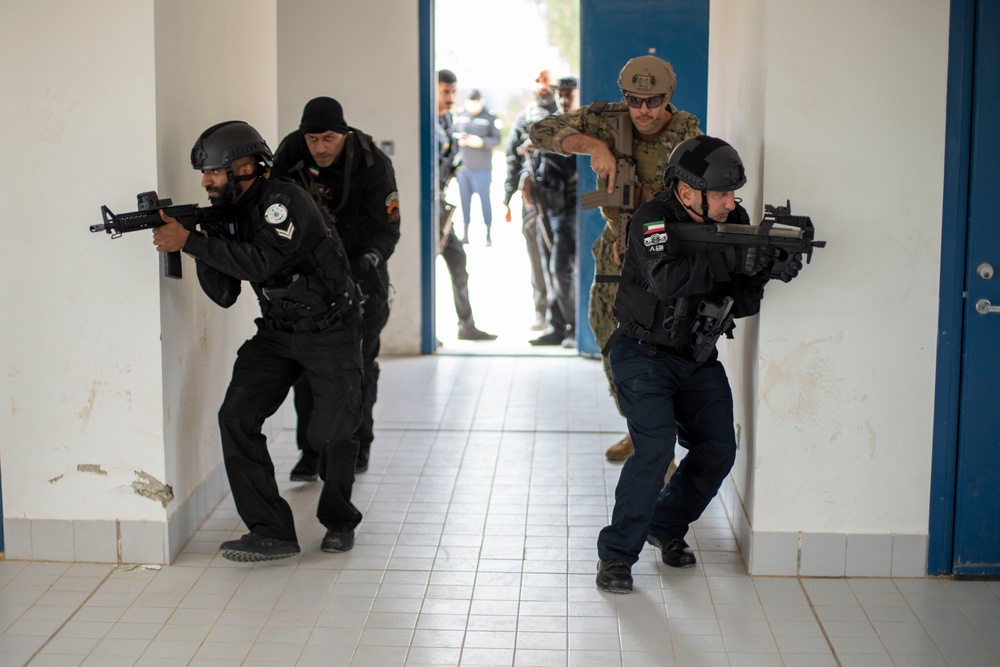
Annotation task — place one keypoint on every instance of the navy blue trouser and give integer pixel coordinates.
(475, 181)
(666, 398)
(266, 367)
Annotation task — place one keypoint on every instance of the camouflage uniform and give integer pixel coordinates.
(651, 161)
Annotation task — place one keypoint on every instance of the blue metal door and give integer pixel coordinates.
(610, 34)
(977, 497)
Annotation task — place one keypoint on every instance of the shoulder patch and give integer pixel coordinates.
(392, 206)
(276, 214)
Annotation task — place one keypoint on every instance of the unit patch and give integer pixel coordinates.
(276, 214)
(392, 207)
(654, 239)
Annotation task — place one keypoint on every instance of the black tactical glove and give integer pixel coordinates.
(368, 262)
(792, 269)
(747, 260)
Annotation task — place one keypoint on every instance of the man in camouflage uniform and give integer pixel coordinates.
(647, 83)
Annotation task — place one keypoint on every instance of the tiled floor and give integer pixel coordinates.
(481, 509)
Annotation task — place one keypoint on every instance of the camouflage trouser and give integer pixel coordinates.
(602, 295)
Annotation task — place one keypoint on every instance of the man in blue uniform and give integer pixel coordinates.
(310, 324)
(669, 381)
(477, 132)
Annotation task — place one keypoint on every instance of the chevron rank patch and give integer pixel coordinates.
(277, 216)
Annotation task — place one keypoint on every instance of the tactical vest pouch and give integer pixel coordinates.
(636, 308)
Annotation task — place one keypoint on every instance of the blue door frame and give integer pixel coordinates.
(428, 175)
(960, 459)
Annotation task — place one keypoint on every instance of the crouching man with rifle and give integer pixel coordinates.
(310, 325)
(675, 299)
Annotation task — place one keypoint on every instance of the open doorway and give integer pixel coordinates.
(498, 51)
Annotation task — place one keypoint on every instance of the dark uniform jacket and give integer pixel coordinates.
(483, 125)
(660, 290)
(283, 248)
(358, 192)
(516, 166)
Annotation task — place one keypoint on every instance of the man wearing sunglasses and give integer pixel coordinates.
(646, 83)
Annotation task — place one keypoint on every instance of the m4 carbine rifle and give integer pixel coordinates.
(217, 221)
(795, 235)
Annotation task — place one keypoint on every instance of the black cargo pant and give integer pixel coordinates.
(376, 314)
(266, 367)
(559, 218)
(456, 261)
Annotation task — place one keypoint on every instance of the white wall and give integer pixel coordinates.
(366, 56)
(204, 75)
(81, 314)
(108, 440)
(853, 114)
(736, 113)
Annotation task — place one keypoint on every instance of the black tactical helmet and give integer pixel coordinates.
(706, 163)
(220, 144)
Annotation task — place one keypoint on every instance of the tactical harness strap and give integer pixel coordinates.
(312, 265)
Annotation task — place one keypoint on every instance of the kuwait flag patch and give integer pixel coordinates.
(654, 228)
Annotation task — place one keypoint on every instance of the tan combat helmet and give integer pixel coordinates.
(648, 75)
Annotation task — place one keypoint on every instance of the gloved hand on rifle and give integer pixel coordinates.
(748, 260)
(792, 269)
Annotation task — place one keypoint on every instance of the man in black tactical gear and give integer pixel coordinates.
(310, 324)
(518, 162)
(354, 184)
(449, 246)
(671, 309)
(553, 189)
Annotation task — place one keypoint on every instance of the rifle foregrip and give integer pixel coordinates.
(594, 199)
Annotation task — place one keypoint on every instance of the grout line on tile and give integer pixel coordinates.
(822, 628)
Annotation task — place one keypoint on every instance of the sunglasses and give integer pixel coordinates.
(652, 102)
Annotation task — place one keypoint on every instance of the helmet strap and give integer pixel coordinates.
(704, 201)
(231, 193)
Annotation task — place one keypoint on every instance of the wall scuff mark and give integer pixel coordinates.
(55, 479)
(152, 488)
(85, 413)
(92, 468)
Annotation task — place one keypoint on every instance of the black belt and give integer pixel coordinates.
(311, 324)
(680, 349)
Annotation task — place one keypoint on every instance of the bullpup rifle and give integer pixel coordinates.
(786, 234)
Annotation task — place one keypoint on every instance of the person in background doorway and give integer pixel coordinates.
(553, 189)
(449, 246)
(517, 175)
(477, 131)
